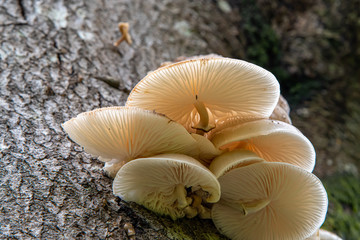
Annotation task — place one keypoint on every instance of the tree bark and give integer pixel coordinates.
(55, 59)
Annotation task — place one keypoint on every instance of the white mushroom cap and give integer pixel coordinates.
(326, 235)
(270, 201)
(167, 184)
(184, 58)
(281, 111)
(284, 104)
(281, 115)
(275, 141)
(120, 134)
(197, 92)
(207, 150)
(322, 234)
(234, 159)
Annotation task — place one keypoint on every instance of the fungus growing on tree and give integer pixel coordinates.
(270, 201)
(198, 92)
(120, 134)
(170, 184)
(275, 141)
(194, 126)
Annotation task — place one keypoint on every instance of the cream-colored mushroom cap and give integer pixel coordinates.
(270, 201)
(234, 159)
(280, 114)
(281, 111)
(207, 150)
(322, 234)
(197, 92)
(120, 134)
(326, 235)
(272, 140)
(171, 184)
(284, 104)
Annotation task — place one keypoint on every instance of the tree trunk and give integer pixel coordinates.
(56, 60)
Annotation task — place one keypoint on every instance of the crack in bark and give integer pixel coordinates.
(22, 8)
(58, 54)
(14, 24)
(113, 82)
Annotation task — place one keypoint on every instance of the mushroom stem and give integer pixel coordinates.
(180, 194)
(204, 212)
(197, 201)
(255, 206)
(247, 207)
(203, 126)
(197, 208)
(190, 212)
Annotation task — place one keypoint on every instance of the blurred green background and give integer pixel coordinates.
(313, 48)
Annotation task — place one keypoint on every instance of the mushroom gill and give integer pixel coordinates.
(272, 140)
(270, 201)
(120, 134)
(198, 92)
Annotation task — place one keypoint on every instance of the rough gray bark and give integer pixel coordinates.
(53, 56)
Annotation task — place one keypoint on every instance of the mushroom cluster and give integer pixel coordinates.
(210, 137)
